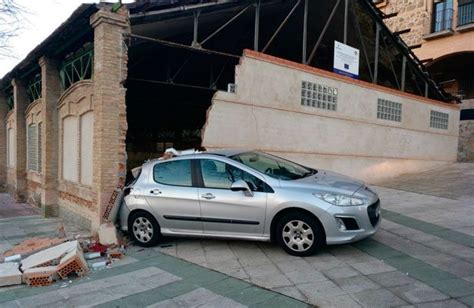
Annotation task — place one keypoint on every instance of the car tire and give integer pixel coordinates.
(144, 229)
(300, 234)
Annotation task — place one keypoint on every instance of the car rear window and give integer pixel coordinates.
(176, 173)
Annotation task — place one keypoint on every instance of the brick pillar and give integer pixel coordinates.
(50, 92)
(3, 140)
(21, 102)
(110, 122)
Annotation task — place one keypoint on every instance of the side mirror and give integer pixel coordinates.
(241, 185)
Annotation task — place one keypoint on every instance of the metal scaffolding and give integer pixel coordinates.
(382, 40)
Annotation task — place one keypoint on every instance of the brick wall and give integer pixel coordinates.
(104, 96)
(51, 89)
(110, 71)
(3, 141)
(18, 185)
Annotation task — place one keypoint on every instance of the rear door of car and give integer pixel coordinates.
(226, 212)
(172, 194)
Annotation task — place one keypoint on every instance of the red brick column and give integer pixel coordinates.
(50, 92)
(21, 102)
(3, 140)
(110, 122)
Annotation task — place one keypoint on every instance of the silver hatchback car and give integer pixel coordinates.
(247, 195)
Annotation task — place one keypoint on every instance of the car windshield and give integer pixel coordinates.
(273, 166)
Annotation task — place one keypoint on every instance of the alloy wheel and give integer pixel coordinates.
(142, 229)
(298, 235)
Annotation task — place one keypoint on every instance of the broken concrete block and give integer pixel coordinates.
(14, 258)
(100, 264)
(33, 245)
(108, 234)
(92, 255)
(40, 276)
(115, 254)
(9, 274)
(50, 256)
(72, 262)
(111, 211)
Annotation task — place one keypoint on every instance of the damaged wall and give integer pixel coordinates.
(79, 155)
(266, 114)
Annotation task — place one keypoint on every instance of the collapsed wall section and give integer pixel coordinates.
(327, 121)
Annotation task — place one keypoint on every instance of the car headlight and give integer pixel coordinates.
(339, 200)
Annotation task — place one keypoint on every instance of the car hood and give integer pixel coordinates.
(329, 181)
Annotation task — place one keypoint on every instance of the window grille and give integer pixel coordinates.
(77, 67)
(32, 147)
(40, 155)
(388, 110)
(318, 96)
(439, 120)
(9, 96)
(33, 88)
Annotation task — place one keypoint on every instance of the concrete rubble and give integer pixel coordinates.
(43, 261)
(9, 274)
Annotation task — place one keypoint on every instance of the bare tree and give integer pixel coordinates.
(11, 15)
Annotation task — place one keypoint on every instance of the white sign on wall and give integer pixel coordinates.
(346, 60)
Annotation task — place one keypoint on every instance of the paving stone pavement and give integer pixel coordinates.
(423, 256)
(144, 278)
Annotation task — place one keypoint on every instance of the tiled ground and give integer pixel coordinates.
(423, 256)
(145, 277)
(9, 208)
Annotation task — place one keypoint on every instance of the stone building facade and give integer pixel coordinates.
(412, 14)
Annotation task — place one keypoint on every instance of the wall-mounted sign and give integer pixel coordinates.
(346, 60)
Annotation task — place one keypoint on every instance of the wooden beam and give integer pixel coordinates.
(401, 32)
(387, 16)
(415, 46)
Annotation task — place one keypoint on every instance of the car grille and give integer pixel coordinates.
(372, 211)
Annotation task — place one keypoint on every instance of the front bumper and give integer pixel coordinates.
(367, 218)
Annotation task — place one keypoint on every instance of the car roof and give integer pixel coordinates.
(226, 152)
(217, 152)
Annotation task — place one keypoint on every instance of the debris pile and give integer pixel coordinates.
(42, 261)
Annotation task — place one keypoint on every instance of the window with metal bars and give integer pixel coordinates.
(439, 120)
(9, 96)
(319, 96)
(388, 110)
(32, 147)
(77, 66)
(33, 88)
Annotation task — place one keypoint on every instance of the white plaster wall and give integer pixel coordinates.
(266, 114)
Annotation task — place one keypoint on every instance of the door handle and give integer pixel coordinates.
(155, 191)
(208, 196)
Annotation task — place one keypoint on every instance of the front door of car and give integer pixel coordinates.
(173, 197)
(227, 212)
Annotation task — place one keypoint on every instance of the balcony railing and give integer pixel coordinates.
(442, 20)
(466, 13)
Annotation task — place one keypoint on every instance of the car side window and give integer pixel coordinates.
(176, 173)
(219, 175)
